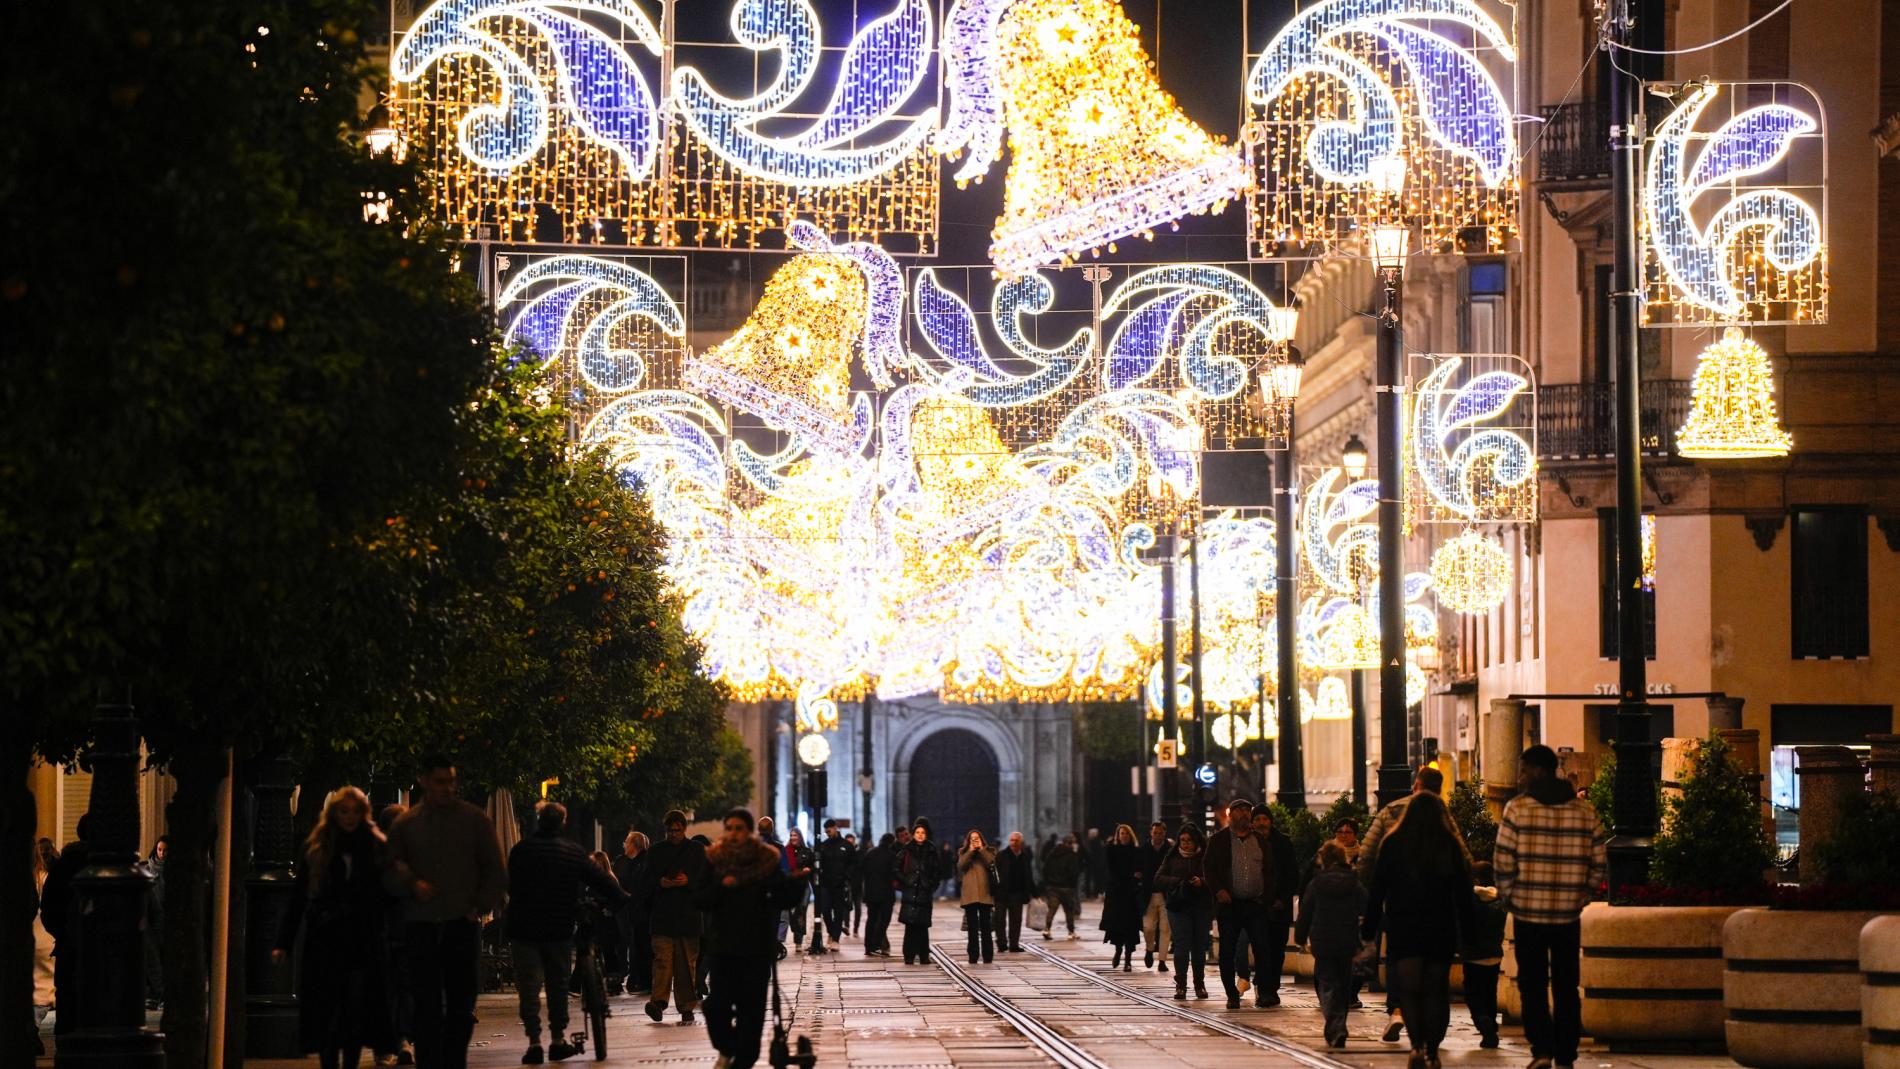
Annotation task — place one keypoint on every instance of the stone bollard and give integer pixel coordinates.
(1744, 746)
(1829, 774)
(1725, 712)
(1885, 763)
(1503, 739)
(1880, 992)
(1677, 755)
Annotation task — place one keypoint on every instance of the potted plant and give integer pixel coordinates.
(1792, 974)
(1652, 955)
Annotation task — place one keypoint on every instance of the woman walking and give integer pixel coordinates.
(1183, 886)
(1121, 899)
(799, 862)
(340, 906)
(1421, 895)
(977, 863)
(918, 869)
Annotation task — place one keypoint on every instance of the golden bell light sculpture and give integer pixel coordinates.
(790, 364)
(1098, 150)
(1732, 407)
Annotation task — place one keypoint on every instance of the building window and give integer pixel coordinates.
(1607, 591)
(1484, 317)
(1829, 595)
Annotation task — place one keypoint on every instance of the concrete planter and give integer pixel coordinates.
(1791, 983)
(1653, 974)
(1880, 992)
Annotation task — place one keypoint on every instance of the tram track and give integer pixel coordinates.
(1058, 1047)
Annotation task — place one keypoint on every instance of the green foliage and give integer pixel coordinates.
(1601, 794)
(1712, 838)
(1301, 826)
(1344, 808)
(1473, 817)
(1865, 850)
(1109, 731)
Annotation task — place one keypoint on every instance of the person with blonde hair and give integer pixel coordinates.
(340, 908)
(1122, 899)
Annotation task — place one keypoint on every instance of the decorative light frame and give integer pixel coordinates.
(1471, 440)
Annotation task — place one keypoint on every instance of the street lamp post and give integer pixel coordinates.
(1286, 387)
(1390, 244)
(1200, 702)
(1353, 458)
(1166, 801)
(1635, 786)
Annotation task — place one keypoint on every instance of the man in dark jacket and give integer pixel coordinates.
(57, 905)
(1015, 886)
(835, 859)
(1061, 872)
(545, 875)
(744, 892)
(1239, 870)
(1267, 969)
(878, 871)
(676, 869)
(630, 868)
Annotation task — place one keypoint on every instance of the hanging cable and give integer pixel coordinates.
(1702, 47)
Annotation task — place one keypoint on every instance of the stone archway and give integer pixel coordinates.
(955, 781)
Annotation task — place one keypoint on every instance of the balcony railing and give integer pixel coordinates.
(1575, 142)
(1577, 420)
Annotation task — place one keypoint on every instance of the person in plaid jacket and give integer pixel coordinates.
(1551, 857)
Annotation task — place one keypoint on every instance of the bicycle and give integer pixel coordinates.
(593, 990)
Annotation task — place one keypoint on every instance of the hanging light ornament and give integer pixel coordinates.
(1472, 574)
(814, 750)
(1732, 411)
(1098, 150)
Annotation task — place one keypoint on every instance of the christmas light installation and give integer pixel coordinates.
(1098, 150)
(1759, 256)
(601, 318)
(1350, 90)
(1472, 442)
(1732, 405)
(521, 109)
(1471, 573)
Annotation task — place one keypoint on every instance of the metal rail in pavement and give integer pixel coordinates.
(1057, 1046)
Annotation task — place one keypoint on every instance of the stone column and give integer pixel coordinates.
(1885, 763)
(1501, 742)
(1744, 745)
(270, 997)
(107, 924)
(1829, 775)
(1725, 712)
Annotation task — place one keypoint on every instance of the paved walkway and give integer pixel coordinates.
(1057, 1005)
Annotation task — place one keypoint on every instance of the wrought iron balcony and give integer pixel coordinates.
(1575, 143)
(1577, 420)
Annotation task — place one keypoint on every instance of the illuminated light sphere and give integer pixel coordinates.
(1223, 728)
(1330, 701)
(1472, 574)
(814, 750)
(1732, 411)
(1098, 150)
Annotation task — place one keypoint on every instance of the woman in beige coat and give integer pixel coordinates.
(976, 863)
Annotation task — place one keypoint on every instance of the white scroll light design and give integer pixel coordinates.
(1332, 531)
(602, 89)
(1696, 258)
(1477, 455)
(884, 67)
(543, 321)
(1460, 103)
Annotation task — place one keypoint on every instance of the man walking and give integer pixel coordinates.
(1154, 918)
(546, 873)
(630, 868)
(878, 873)
(445, 863)
(1268, 967)
(1551, 855)
(676, 870)
(1239, 870)
(1015, 886)
(1061, 872)
(835, 860)
(744, 892)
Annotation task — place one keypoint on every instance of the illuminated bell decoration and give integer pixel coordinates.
(814, 750)
(791, 361)
(1330, 701)
(1098, 150)
(1732, 411)
(1472, 574)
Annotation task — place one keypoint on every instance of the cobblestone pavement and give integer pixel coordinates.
(878, 1013)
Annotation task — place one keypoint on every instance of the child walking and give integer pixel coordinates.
(1329, 920)
(1481, 948)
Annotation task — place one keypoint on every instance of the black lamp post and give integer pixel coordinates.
(1353, 459)
(1286, 387)
(270, 995)
(1389, 247)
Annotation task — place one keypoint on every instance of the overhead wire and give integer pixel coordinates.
(1718, 42)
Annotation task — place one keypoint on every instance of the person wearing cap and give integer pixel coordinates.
(1239, 871)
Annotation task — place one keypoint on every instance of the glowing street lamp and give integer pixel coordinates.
(1353, 459)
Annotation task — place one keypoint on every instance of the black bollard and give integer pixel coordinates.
(270, 998)
(110, 918)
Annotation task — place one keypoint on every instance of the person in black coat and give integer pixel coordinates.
(1015, 887)
(630, 871)
(546, 875)
(877, 870)
(1270, 960)
(835, 862)
(340, 906)
(57, 903)
(744, 891)
(1421, 894)
(920, 869)
(676, 870)
(1123, 896)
